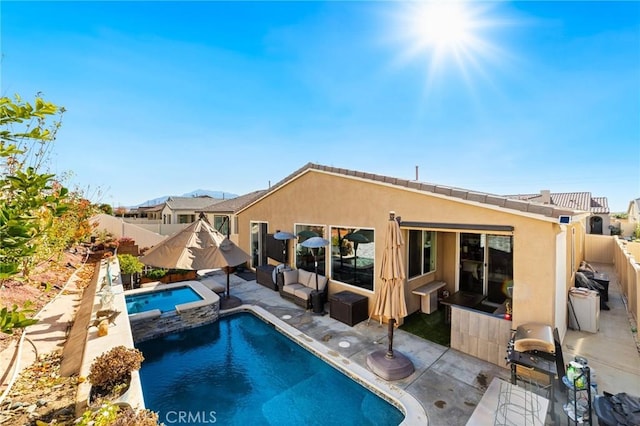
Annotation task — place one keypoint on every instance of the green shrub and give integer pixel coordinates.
(15, 318)
(109, 414)
(129, 264)
(156, 274)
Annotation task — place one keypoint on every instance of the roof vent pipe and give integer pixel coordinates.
(416, 173)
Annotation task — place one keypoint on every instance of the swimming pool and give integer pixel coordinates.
(241, 370)
(163, 300)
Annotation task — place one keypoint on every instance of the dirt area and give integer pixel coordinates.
(44, 283)
(40, 395)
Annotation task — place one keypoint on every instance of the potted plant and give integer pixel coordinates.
(110, 373)
(130, 267)
(126, 241)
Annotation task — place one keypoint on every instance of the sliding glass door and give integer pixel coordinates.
(258, 244)
(486, 265)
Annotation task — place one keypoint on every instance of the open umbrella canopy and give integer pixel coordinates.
(306, 234)
(283, 235)
(198, 246)
(315, 242)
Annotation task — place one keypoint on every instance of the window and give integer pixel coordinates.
(221, 223)
(186, 218)
(422, 252)
(304, 255)
(352, 256)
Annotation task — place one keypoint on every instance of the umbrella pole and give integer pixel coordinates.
(390, 336)
(228, 295)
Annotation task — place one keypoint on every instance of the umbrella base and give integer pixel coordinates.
(229, 302)
(395, 368)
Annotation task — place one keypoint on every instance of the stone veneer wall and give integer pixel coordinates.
(170, 322)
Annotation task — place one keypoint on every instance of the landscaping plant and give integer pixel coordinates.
(111, 371)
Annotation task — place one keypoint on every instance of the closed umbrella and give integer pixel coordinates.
(390, 303)
(198, 246)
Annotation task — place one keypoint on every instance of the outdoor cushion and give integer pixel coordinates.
(290, 277)
(304, 277)
(303, 292)
(291, 288)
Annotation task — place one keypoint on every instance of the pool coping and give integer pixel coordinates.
(413, 411)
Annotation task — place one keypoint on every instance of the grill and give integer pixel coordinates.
(534, 354)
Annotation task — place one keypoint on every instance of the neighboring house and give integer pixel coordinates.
(598, 207)
(222, 213)
(633, 212)
(517, 253)
(151, 212)
(632, 223)
(182, 210)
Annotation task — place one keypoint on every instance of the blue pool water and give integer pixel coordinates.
(240, 371)
(165, 300)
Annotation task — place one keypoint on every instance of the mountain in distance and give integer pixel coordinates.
(196, 193)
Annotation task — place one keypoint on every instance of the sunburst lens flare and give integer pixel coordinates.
(447, 33)
(443, 25)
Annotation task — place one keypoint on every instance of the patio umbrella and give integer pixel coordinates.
(198, 246)
(390, 303)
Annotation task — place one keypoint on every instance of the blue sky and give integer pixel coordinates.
(164, 98)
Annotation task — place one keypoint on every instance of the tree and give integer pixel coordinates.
(29, 199)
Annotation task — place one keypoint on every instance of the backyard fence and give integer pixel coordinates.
(625, 259)
(599, 248)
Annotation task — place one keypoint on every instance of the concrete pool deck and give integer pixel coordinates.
(448, 383)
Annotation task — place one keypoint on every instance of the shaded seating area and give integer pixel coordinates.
(298, 285)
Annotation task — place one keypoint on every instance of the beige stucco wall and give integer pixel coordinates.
(335, 200)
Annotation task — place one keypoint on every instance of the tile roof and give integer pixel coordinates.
(600, 205)
(523, 206)
(233, 204)
(190, 203)
(156, 208)
(573, 200)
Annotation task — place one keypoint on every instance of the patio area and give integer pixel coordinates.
(448, 383)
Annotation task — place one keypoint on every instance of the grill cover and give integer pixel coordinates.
(534, 337)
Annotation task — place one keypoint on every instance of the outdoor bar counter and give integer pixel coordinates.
(474, 332)
(462, 299)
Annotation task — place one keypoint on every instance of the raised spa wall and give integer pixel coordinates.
(151, 324)
(124, 331)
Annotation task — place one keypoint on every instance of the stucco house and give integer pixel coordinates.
(598, 221)
(182, 210)
(511, 253)
(633, 212)
(223, 213)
